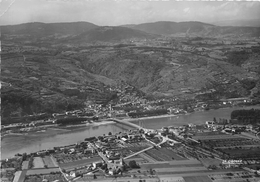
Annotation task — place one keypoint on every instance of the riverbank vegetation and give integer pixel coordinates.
(251, 116)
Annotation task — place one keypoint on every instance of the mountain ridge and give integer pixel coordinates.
(193, 28)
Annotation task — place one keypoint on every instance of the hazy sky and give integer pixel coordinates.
(118, 12)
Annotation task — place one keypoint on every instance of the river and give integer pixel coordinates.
(14, 144)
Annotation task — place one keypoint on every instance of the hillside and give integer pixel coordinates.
(167, 27)
(165, 72)
(107, 34)
(34, 84)
(40, 30)
(195, 29)
(239, 23)
(49, 74)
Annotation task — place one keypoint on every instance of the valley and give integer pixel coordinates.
(61, 68)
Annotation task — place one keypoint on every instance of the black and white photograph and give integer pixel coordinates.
(130, 91)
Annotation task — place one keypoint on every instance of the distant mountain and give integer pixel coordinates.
(167, 27)
(88, 32)
(44, 29)
(109, 33)
(195, 28)
(239, 23)
(128, 25)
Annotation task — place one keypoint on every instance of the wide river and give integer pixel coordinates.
(13, 144)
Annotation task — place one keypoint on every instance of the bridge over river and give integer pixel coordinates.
(165, 139)
(130, 124)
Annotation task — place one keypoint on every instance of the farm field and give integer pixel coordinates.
(236, 177)
(201, 173)
(136, 147)
(207, 161)
(49, 177)
(38, 162)
(137, 158)
(216, 137)
(48, 161)
(181, 169)
(67, 158)
(25, 165)
(17, 176)
(79, 163)
(147, 157)
(164, 154)
(251, 152)
(197, 179)
(42, 171)
(235, 142)
(185, 162)
(167, 165)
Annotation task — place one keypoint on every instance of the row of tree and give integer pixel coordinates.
(245, 113)
(148, 113)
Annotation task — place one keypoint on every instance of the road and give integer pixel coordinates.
(138, 152)
(165, 139)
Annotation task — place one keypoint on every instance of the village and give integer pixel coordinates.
(170, 153)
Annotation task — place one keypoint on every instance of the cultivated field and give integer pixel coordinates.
(79, 163)
(243, 153)
(42, 171)
(25, 165)
(197, 179)
(48, 161)
(49, 177)
(164, 154)
(38, 162)
(216, 137)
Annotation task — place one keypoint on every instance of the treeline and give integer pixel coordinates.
(248, 116)
(24, 119)
(148, 113)
(73, 120)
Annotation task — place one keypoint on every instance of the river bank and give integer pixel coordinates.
(53, 137)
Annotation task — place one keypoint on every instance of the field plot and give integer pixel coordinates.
(17, 176)
(215, 137)
(38, 162)
(42, 171)
(168, 165)
(147, 157)
(136, 147)
(137, 158)
(48, 161)
(79, 163)
(235, 177)
(234, 142)
(197, 179)
(164, 154)
(25, 165)
(243, 153)
(207, 162)
(185, 162)
(67, 158)
(181, 170)
(48, 177)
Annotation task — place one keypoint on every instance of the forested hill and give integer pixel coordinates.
(194, 28)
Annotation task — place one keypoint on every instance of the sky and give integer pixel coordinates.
(120, 12)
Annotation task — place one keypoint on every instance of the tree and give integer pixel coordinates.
(24, 156)
(133, 164)
(109, 133)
